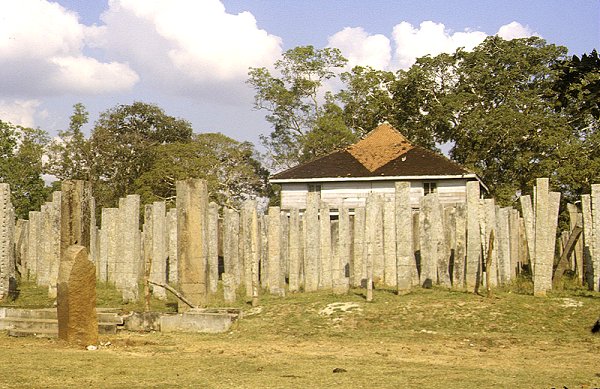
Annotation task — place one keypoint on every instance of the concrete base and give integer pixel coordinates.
(200, 321)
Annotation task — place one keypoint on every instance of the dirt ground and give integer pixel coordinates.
(428, 338)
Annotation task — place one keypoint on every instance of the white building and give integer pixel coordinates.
(374, 164)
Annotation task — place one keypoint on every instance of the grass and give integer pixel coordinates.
(431, 338)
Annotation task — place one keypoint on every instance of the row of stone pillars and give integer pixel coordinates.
(385, 243)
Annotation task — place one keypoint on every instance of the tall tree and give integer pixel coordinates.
(21, 151)
(294, 101)
(123, 146)
(232, 172)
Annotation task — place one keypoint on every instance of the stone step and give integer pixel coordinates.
(31, 332)
(49, 328)
(104, 315)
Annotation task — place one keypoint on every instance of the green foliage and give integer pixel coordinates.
(21, 151)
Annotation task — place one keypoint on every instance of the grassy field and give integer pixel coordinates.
(429, 338)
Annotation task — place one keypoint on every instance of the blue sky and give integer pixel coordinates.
(191, 57)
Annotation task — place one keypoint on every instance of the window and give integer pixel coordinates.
(429, 187)
(314, 188)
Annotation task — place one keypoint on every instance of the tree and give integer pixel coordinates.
(69, 155)
(21, 151)
(232, 172)
(123, 147)
(294, 101)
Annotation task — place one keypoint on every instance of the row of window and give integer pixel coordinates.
(428, 187)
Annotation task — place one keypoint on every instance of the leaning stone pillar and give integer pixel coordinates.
(473, 262)
(192, 240)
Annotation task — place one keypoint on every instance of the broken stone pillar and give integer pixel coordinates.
(275, 281)
(52, 242)
(358, 270)
(295, 245)
(213, 247)
(128, 262)
(325, 276)
(596, 236)
(389, 243)
(172, 244)
(109, 238)
(529, 223)
(7, 235)
(229, 287)
(546, 214)
(231, 232)
(431, 236)
(192, 241)
(460, 219)
(588, 240)
(311, 243)
(473, 261)
(404, 237)
(76, 303)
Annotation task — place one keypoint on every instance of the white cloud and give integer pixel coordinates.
(363, 49)
(187, 46)
(19, 112)
(515, 30)
(41, 53)
(430, 38)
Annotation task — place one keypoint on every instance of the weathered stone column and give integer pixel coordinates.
(325, 277)
(263, 251)
(447, 246)
(405, 261)
(33, 243)
(296, 243)
(192, 240)
(575, 218)
(172, 244)
(21, 246)
(94, 249)
(513, 224)
(344, 245)
(76, 304)
(311, 243)
(529, 222)
(588, 240)
(490, 223)
(128, 262)
(596, 236)
(431, 235)
(389, 243)
(229, 287)
(159, 248)
(108, 245)
(44, 252)
(460, 219)
(231, 235)
(473, 265)
(546, 213)
(75, 215)
(7, 235)
(52, 242)
(275, 281)
(213, 247)
(374, 249)
(503, 244)
(250, 236)
(359, 263)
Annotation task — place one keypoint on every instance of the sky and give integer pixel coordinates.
(191, 57)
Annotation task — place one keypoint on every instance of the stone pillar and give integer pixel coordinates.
(513, 224)
(213, 247)
(374, 249)
(192, 241)
(596, 236)
(389, 243)
(490, 223)
(404, 237)
(311, 243)
(588, 240)
(52, 242)
(358, 268)
(296, 243)
(250, 245)
(473, 261)
(325, 277)
(263, 251)
(529, 222)
(94, 249)
(76, 304)
(275, 283)
(75, 214)
(461, 246)
(231, 233)
(172, 244)
(44, 247)
(344, 245)
(229, 287)
(33, 243)
(575, 218)
(446, 248)
(546, 213)
(431, 237)
(128, 263)
(147, 252)
(109, 238)
(159, 249)
(21, 247)
(503, 244)
(7, 234)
